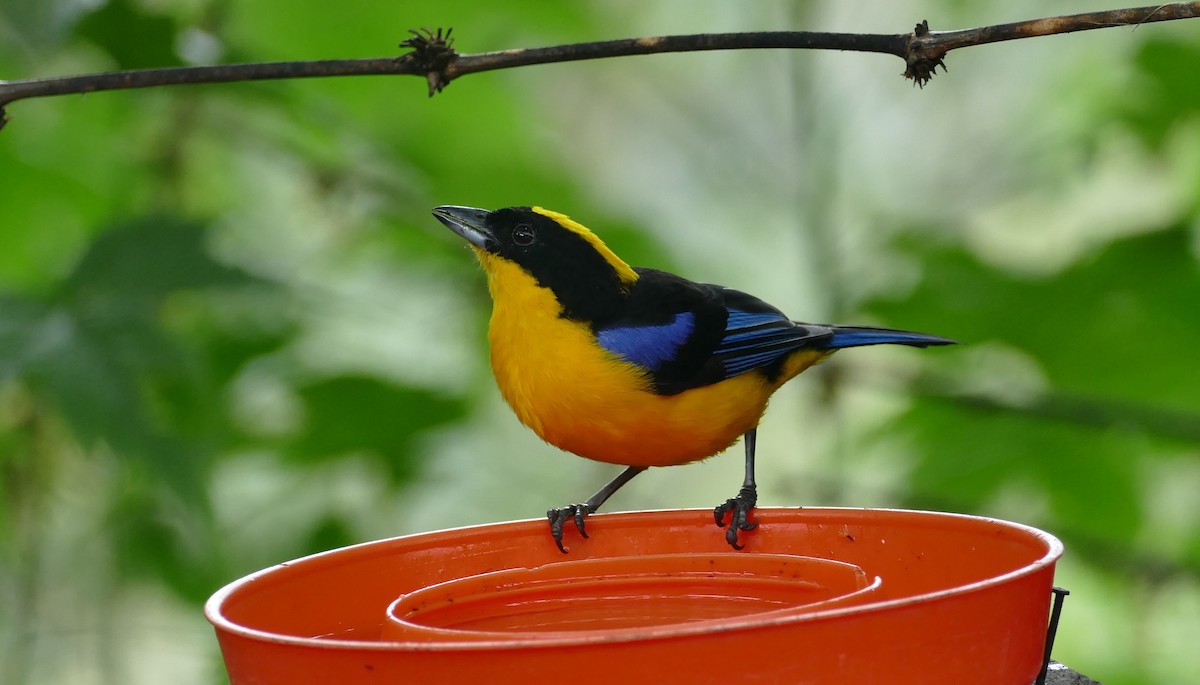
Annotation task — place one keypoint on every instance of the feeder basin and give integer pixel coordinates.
(818, 595)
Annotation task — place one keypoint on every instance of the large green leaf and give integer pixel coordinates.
(1108, 339)
(136, 264)
(1166, 93)
(968, 456)
(22, 338)
(362, 414)
(1103, 328)
(157, 537)
(98, 352)
(134, 37)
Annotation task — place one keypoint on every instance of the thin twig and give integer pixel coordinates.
(434, 57)
(928, 49)
(804, 40)
(11, 91)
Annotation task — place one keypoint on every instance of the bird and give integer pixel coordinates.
(634, 366)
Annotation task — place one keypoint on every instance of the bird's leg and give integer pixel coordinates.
(740, 507)
(577, 512)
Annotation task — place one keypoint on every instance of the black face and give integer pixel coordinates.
(523, 236)
(560, 259)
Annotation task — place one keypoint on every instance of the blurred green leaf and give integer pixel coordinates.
(136, 264)
(42, 23)
(1101, 328)
(331, 532)
(1166, 93)
(134, 37)
(966, 457)
(97, 351)
(157, 538)
(20, 322)
(357, 413)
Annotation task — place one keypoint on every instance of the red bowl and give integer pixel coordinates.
(819, 596)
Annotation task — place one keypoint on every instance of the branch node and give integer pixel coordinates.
(922, 57)
(432, 53)
(3, 118)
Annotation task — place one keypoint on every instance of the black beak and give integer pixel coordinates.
(469, 223)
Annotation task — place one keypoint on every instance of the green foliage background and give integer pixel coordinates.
(231, 334)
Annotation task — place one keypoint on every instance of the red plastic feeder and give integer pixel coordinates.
(818, 596)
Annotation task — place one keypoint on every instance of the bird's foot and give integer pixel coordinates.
(559, 518)
(739, 509)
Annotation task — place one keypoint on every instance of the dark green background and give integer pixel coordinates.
(231, 334)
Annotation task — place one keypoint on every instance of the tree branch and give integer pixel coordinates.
(434, 57)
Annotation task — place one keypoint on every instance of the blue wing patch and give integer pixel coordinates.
(755, 339)
(648, 346)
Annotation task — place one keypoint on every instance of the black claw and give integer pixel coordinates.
(731, 536)
(719, 512)
(739, 509)
(559, 517)
(581, 511)
(556, 527)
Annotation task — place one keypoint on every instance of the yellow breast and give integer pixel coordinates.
(583, 399)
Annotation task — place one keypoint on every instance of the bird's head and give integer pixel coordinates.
(555, 252)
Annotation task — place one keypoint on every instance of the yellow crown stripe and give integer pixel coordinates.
(624, 271)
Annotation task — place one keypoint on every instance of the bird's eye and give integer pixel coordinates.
(523, 235)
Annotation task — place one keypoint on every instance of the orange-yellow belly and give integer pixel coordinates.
(600, 408)
(581, 398)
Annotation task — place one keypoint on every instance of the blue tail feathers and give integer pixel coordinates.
(856, 336)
